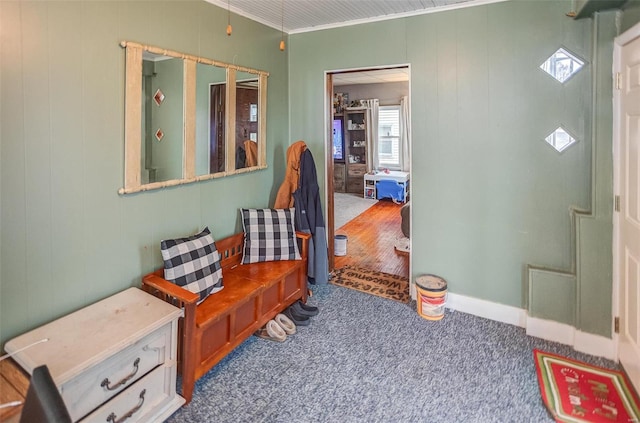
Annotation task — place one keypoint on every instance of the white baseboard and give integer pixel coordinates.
(565, 334)
(487, 309)
(549, 330)
(595, 345)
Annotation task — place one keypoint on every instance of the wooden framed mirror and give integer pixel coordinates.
(189, 118)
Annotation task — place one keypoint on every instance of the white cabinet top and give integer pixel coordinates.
(393, 175)
(86, 337)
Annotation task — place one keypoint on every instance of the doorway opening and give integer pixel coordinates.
(368, 152)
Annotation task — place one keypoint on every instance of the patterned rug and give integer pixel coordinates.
(574, 391)
(376, 283)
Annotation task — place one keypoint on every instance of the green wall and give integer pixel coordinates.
(489, 196)
(67, 238)
(631, 14)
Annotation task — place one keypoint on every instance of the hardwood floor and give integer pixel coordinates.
(370, 240)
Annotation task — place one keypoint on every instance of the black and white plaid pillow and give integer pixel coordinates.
(193, 263)
(269, 235)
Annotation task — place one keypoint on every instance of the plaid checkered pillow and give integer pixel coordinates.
(269, 235)
(193, 263)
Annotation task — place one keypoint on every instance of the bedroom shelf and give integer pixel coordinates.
(356, 149)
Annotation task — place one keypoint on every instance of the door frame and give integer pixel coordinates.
(328, 162)
(328, 165)
(618, 43)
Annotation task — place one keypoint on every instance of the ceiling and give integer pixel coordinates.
(311, 15)
(376, 76)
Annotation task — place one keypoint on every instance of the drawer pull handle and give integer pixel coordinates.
(112, 417)
(105, 383)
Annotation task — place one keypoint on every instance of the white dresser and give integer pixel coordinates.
(112, 359)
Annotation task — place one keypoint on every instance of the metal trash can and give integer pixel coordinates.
(340, 245)
(431, 296)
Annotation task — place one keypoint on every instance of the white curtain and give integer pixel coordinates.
(405, 134)
(372, 132)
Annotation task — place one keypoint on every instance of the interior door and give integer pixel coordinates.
(329, 169)
(628, 219)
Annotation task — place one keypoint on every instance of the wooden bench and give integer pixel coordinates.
(253, 294)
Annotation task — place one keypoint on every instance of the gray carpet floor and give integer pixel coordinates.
(347, 207)
(369, 359)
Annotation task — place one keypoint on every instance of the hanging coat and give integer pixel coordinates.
(309, 219)
(284, 198)
(251, 151)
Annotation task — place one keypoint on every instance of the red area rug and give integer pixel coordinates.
(577, 392)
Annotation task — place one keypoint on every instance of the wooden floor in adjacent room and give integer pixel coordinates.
(370, 240)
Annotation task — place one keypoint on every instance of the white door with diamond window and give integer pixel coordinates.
(627, 187)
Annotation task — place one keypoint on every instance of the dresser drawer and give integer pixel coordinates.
(93, 387)
(140, 401)
(356, 171)
(355, 185)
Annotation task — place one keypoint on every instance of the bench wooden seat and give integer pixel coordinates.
(253, 294)
(236, 291)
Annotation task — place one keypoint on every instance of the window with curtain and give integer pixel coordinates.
(389, 150)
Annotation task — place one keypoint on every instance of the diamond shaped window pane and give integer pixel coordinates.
(159, 134)
(560, 139)
(562, 65)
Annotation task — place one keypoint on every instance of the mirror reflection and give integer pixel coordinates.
(162, 110)
(190, 118)
(211, 89)
(247, 97)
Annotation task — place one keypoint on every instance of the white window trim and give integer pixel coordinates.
(397, 165)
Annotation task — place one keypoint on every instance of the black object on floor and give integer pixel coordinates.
(311, 310)
(301, 311)
(296, 318)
